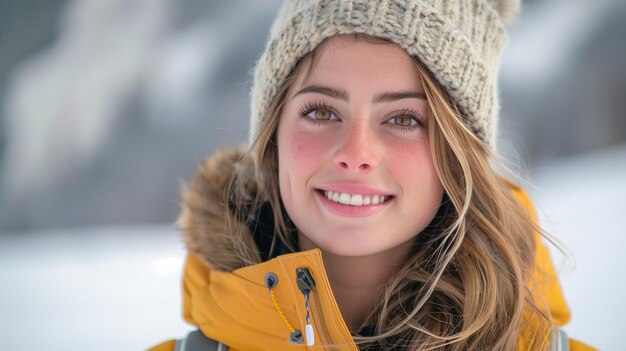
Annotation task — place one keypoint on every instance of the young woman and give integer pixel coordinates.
(365, 213)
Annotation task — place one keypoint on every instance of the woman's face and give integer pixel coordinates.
(355, 169)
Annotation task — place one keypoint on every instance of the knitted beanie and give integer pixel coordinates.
(459, 41)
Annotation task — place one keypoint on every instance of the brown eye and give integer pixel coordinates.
(403, 121)
(322, 115)
(318, 112)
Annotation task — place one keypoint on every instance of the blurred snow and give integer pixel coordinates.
(91, 289)
(580, 201)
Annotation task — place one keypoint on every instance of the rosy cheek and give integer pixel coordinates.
(400, 152)
(412, 163)
(304, 150)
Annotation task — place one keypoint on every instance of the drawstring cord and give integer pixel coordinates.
(305, 282)
(295, 335)
(280, 312)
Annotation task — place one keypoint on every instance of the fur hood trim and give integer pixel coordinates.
(212, 232)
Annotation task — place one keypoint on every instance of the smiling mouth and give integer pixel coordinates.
(355, 199)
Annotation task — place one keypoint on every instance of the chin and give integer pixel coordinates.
(348, 251)
(350, 246)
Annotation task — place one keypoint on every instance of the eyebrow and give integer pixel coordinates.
(342, 94)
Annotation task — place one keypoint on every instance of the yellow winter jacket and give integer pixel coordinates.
(228, 300)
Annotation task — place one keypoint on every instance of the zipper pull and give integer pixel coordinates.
(305, 280)
(306, 283)
(310, 335)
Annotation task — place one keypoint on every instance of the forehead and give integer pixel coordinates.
(351, 62)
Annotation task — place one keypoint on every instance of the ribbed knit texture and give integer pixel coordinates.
(459, 41)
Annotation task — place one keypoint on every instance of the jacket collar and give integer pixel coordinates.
(238, 309)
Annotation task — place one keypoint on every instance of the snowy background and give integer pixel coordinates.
(106, 107)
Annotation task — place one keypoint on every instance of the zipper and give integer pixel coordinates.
(313, 306)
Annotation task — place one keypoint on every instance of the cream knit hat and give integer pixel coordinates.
(459, 41)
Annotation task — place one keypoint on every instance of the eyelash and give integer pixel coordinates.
(320, 105)
(312, 106)
(411, 113)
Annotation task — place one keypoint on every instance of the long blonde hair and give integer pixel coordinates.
(465, 284)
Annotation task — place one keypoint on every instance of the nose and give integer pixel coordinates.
(357, 152)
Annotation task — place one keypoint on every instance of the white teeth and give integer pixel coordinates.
(375, 200)
(344, 198)
(354, 200)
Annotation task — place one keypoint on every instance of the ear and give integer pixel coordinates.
(508, 9)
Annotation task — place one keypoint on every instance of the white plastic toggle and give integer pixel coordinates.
(310, 335)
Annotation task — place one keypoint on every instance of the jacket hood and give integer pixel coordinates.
(222, 241)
